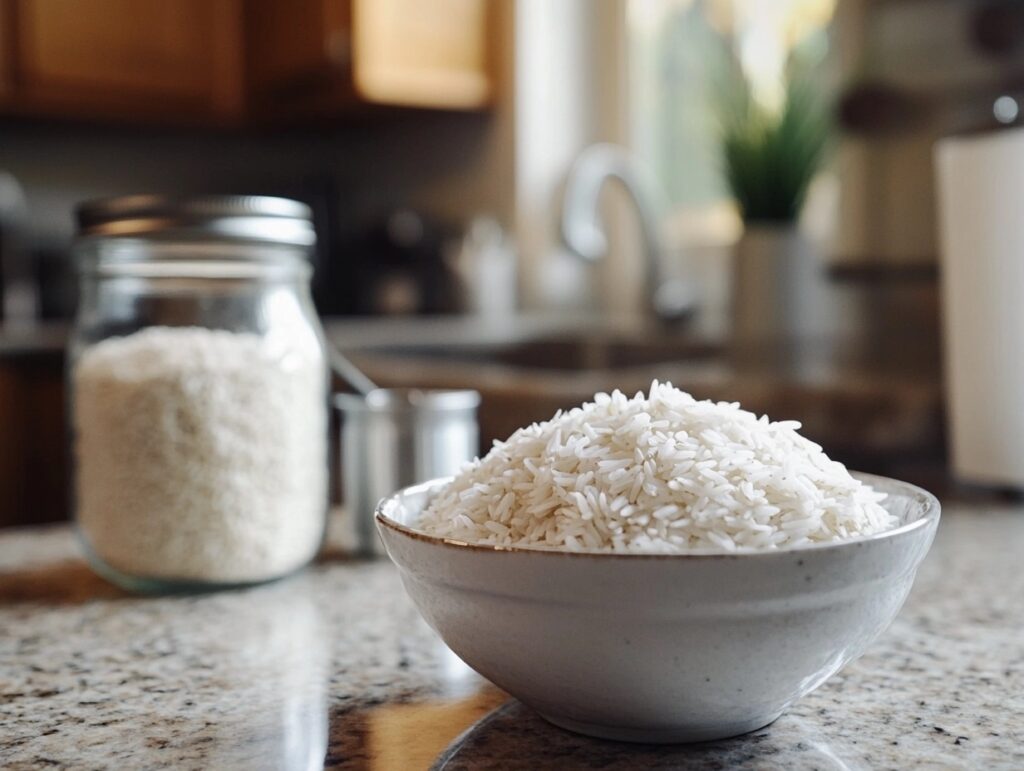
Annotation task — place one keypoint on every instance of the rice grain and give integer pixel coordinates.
(661, 472)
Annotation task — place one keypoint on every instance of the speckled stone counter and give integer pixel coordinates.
(333, 668)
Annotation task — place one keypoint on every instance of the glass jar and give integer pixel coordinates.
(199, 392)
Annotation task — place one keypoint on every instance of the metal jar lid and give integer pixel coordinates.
(256, 218)
(404, 402)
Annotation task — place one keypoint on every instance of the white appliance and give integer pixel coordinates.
(981, 230)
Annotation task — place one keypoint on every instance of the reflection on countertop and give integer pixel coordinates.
(333, 668)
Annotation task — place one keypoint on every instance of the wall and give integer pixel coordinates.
(428, 160)
(555, 118)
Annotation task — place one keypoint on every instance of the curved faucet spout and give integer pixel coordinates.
(584, 235)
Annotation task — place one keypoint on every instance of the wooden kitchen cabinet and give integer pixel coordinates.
(34, 457)
(328, 56)
(173, 61)
(224, 62)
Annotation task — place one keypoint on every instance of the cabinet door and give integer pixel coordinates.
(129, 57)
(424, 54)
(308, 57)
(34, 474)
(298, 53)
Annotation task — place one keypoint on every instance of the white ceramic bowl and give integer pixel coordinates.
(660, 648)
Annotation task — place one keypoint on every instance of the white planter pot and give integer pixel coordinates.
(777, 285)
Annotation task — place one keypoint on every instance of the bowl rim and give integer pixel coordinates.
(932, 513)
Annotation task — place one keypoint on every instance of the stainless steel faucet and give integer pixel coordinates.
(583, 234)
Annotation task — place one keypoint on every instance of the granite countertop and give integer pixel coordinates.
(333, 668)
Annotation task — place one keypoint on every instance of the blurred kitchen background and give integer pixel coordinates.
(456, 155)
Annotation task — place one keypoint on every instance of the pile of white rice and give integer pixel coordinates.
(201, 453)
(656, 473)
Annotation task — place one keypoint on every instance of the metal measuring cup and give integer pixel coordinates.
(395, 437)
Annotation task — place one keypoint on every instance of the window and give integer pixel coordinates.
(677, 49)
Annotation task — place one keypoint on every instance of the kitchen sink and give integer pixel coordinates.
(570, 353)
(862, 402)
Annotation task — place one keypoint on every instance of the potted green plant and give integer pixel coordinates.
(770, 156)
